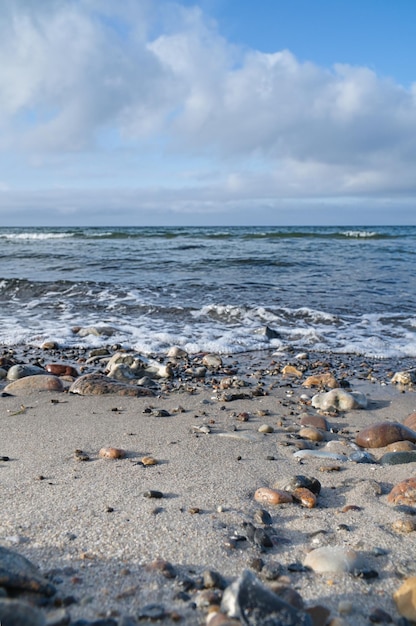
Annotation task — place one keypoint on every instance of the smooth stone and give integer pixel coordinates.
(339, 399)
(98, 384)
(311, 433)
(273, 497)
(213, 361)
(266, 429)
(21, 371)
(300, 480)
(320, 454)
(31, 384)
(398, 458)
(321, 380)
(60, 369)
(248, 600)
(305, 497)
(332, 559)
(290, 370)
(112, 453)
(405, 599)
(16, 613)
(405, 377)
(383, 433)
(316, 421)
(50, 345)
(97, 331)
(17, 572)
(401, 446)
(410, 421)
(3, 373)
(404, 493)
(177, 353)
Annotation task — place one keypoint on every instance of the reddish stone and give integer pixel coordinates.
(403, 493)
(382, 434)
(317, 421)
(59, 369)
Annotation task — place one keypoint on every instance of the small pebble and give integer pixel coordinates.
(266, 429)
(151, 493)
(112, 453)
(265, 495)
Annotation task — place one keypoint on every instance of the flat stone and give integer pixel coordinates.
(99, 384)
(21, 371)
(405, 599)
(112, 453)
(31, 384)
(16, 613)
(383, 433)
(404, 493)
(316, 421)
(320, 454)
(212, 361)
(339, 399)
(398, 458)
(332, 559)
(311, 433)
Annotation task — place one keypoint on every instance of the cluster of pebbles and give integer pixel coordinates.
(318, 392)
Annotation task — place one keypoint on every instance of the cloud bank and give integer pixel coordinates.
(153, 101)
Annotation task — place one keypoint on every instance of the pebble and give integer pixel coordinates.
(322, 380)
(18, 573)
(313, 434)
(398, 458)
(58, 369)
(300, 480)
(320, 454)
(151, 493)
(290, 370)
(305, 497)
(98, 384)
(21, 371)
(112, 453)
(332, 559)
(263, 517)
(339, 399)
(31, 384)
(273, 497)
(405, 377)
(401, 446)
(317, 421)
(148, 460)
(410, 421)
(404, 526)
(383, 433)
(266, 428)
(212, 361)
(404, 493)
(405, 599)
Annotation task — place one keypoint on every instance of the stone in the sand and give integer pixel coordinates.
(320, 454)
(31, 384)
(248, 600)
(405, 378)
(381, 434)
(112, 453)
(3, 373)
(18, 573)
(401, 446)
(322, 380)
(335, 559)
(212, 361)
(405, 599)
(316, 421)
(139, 365)
(98, 384)
(291, 370)
(21, 371)
(311, 433)
(60, 369)
(305, 497)
(398, 458)
(273, 497)
(404, 493)
(16, 613)
(266, 429)
(299, 481)
(339, 399)
(410, 421)
(97, 331)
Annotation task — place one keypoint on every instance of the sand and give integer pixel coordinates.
(89, 527)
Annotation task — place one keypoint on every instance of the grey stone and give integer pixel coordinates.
(15, 613)
(21, 370)
(17, 572)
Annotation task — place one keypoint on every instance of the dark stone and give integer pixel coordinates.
(398, 458)
(151, 493)
(17, 572)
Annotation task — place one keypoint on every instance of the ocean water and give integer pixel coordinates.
(330, 289)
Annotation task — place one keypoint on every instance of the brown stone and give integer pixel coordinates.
(410, 421)
(405, 599)
(273, 497)
(383, 433)
(311, 433)
(58, 369)
(112, 453)
(290, 370)
(322, 380)
(305, 497)
(403, 493)
(148, 460)
(317, 421)
(401, 446)
(98, 384)
(32, 384)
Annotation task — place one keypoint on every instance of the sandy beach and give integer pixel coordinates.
(111, 551)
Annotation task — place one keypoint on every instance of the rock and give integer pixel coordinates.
(266, 429)
(410, 421)
(290, 370)
(18, 573)
(50, 345)
(139, 366)
(98, 384)
(112, 453)
(381, 434)
(272, 497)
(97, 331)
(31, 384)
(212, 361)
(332, 559)
(58, 369)
(339, 399)
(405, 599)
(248, 600)
(16, 613)
(265, 331)
(316, 421)
(177, 353)
(21, 371)
(311, 433)
(404, 493)
(3, 373)
(299, 481)
(320, 454)
(405, 378)
(148, 460)
(404, 526)
(398, 458)
(322, 380)
(401, 446)
(305, 497)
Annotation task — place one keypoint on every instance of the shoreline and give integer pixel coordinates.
(91, 530)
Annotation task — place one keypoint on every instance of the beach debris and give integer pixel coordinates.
(33, 384)
(18, 573)
(404, 493)
(340, 400)
(112, 453)
(320, 454)
(249, 601)
(80, 455)
(99, 384)
(335, 559)
(381, 434)
(405, 599)
(405, 377)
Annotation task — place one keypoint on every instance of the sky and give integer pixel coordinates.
(217, 112)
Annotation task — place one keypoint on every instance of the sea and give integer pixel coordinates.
(344, 290)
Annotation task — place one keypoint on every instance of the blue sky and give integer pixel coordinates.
(220, 112)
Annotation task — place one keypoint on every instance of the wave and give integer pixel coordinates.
(35, 236)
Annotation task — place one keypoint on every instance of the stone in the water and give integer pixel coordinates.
(339, 399)
(332, 559)
(268, 332)
(98, 384)
(273, 497)
(21, 371)
(16, 613)
(398, 458)
(405, 599)
(32, 384)
(404, 493)
(97, 331)
(248, 600)
(383, 433)
(322, 380)
(18, 573)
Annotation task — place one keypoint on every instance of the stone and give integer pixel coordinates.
(404, 493)
(290, 370)
(404, 526)
(3, 373)
(18, 573)
(299, 481)
(266, 331)
(273, 497)
(405, 599)
(177, 353)
(339, 399)
(381, 434)
(50, 345)
(322, 380)
(59, 369)
(21, 371)
(248, 600)
(266, 429)
(320, 454)
(405, 378)
(316, 421)
(212, 361)
(97, 331)
(311, 433)
(410, 421)
(305, 497)
(139, 365)
(401, 446)
(148, 460)
(398, 458)
(335, 559)
(98, 384)
(112, 453)
(31, 384)
(16, 613)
